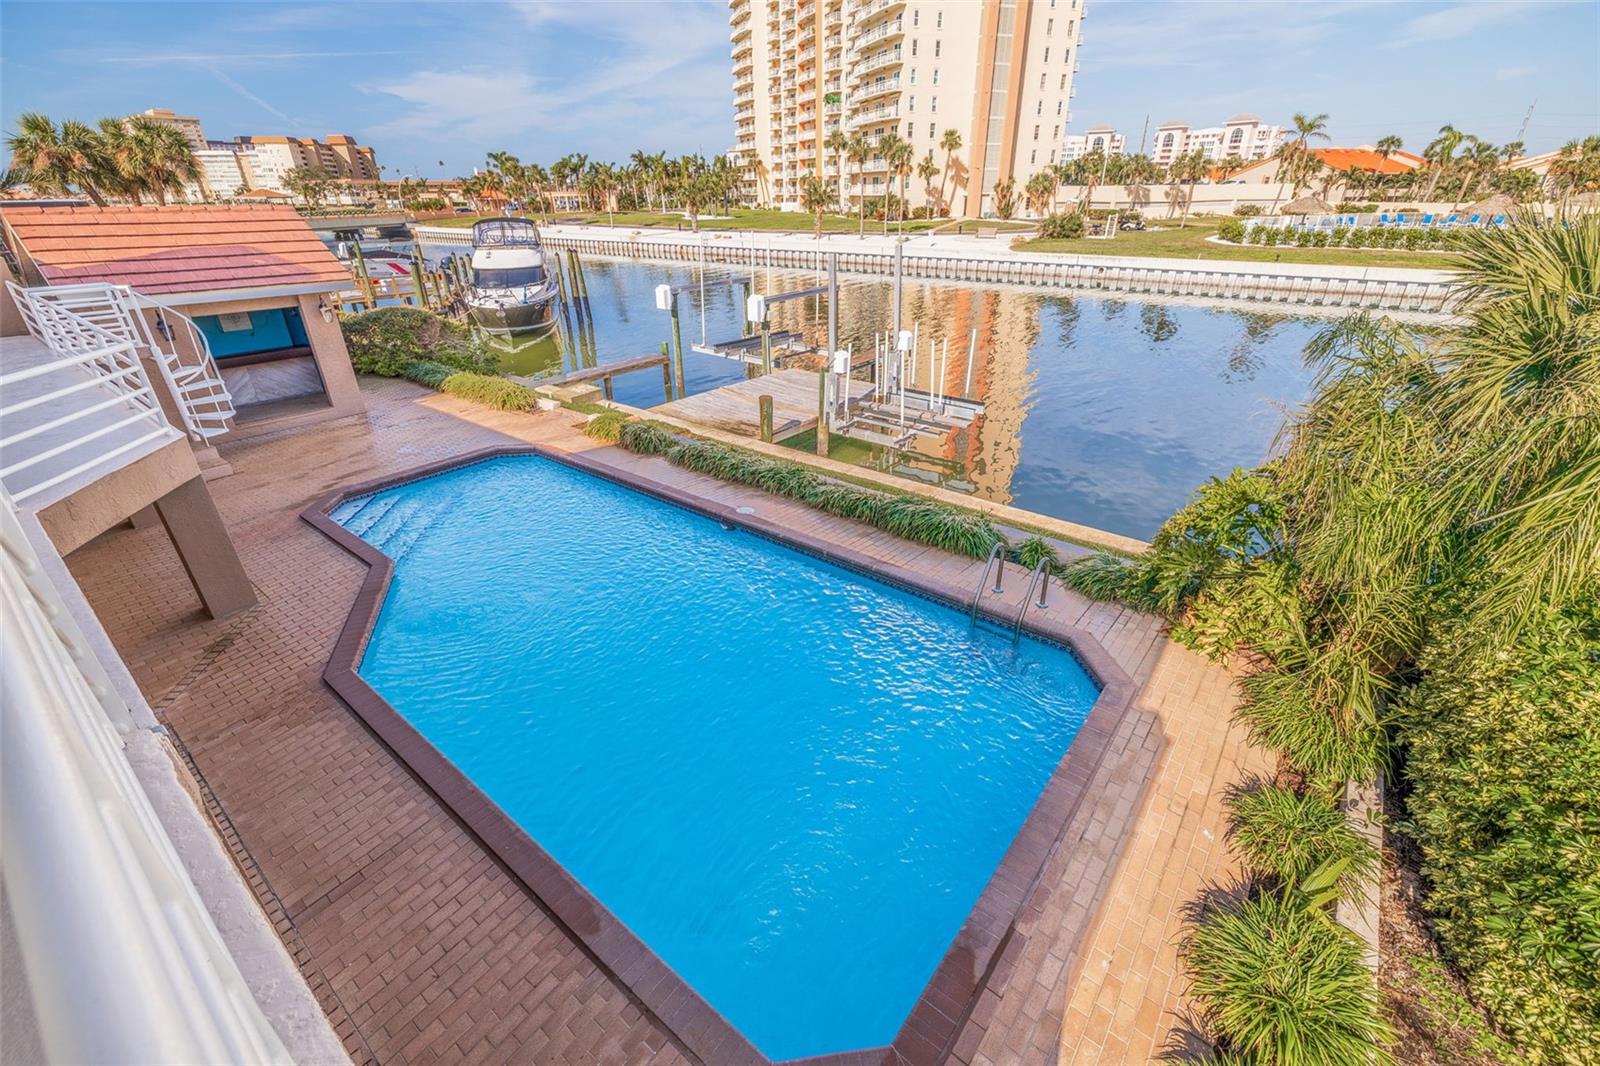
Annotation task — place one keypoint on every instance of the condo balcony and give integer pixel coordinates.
(877, 87)
(876, 114)
(882, 31)
(880, 60)
(867, 12)
(741, 48)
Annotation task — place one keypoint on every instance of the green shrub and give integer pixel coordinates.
(1281, 710)
(380, 341)
(424, 372)
(1270, 236)
(1319, 239)
(1286, 836)
(1280, 984)
(646, 438)
(490, 391)
(1504, 763)
(912, 517)
(1351, 207)
(1247, 210)
(1062, 227)
(1231, 229)
(1035, 550)
(606, 426)
(1103, 576)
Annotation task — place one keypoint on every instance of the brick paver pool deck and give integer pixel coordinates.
(422, 947)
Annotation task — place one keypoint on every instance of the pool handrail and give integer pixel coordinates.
(1040, 577)
(996, 554)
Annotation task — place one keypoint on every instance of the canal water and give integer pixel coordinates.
(1105, 412)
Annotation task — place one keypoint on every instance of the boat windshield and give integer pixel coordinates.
(508, 277)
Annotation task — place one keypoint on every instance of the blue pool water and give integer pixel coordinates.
(791, 781)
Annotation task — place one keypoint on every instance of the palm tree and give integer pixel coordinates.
(927, 170)
(1089, 167)
(1440, 154)
(1189, 167)
(1040, 191)
(836, 142)
(58, 158)
(900, 156)
(858, 151)
(815, 198)
(156, 158)
(1389, 145)
(1005, 197)
(950, 144)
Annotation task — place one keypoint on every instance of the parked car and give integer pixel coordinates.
(1131, 224)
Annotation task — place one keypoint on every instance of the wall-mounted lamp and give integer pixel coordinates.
(325, 307)
(162, 328)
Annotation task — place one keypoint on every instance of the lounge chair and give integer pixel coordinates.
(1425, 220)
(1474, 220)
(1400, 220)
(1498, 220)
(1383, 220)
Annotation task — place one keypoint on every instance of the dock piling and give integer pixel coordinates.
(764, 404)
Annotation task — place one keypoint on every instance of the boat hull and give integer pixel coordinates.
(508, 318)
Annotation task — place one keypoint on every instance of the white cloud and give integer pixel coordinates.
(1461, 20)
(664, 82)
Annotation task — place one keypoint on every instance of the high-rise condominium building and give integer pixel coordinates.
(1102, 139)
(998, 72)
(340, 156)
(188, 125)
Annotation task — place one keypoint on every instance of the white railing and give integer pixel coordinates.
(192, 379)
(77, 410)
(119, 957)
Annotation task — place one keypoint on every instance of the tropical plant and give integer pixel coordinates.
(859, 150)
(837, 143)
(150, 157)
(380, 341)
(949, 144)
(1280, 984)
(814, 199)
(309, 183)
(1005, 197)
(927, 170)
(1035, 550)
(605, 426)
(1286, 835)
(60, 158)
(1504, 763)
(1062, 227)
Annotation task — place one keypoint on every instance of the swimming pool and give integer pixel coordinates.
(790, 781)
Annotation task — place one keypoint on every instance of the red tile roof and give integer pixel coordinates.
(1362, 158)
(184, 249)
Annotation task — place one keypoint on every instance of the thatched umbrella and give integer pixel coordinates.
(1490, 206)
(1307, 205)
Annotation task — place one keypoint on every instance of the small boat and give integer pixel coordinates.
(379, 261)
(511, 290)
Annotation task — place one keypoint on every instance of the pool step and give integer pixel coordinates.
(420, 519)
(348, 509)
(370, 515)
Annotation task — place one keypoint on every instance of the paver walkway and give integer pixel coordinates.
(423, 948)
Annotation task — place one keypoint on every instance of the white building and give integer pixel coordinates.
(1241, 137)
(999, 73)
(1096, 138)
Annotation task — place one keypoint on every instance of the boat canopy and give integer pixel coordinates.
(496, 232)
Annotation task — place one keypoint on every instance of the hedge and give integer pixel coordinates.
(912, 517)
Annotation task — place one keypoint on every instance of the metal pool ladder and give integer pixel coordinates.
(996, 557)
(1040, 577)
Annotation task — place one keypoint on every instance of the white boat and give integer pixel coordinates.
(512, 289)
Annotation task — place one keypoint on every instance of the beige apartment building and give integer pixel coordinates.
(188, 125)
(999, 72)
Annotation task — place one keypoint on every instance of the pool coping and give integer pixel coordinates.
(982, 949)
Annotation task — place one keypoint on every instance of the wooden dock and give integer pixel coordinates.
(735, 408)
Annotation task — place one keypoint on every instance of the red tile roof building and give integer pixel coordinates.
(174, 250)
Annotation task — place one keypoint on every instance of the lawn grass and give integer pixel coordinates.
(463, 221)
(762, 218)
(1190, 243)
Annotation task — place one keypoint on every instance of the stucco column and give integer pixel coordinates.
(205, 549)
(333, 359)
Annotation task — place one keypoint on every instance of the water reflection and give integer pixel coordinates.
(1090, 413)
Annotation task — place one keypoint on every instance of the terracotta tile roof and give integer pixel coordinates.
(1345, 158)
(175, 249)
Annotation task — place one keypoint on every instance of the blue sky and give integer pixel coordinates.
(434, 86)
